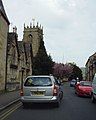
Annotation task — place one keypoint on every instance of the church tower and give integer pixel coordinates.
(33, 34)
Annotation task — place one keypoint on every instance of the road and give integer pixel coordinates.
(72, 108)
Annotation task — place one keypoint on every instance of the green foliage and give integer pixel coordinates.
(77, 73)
(42, 63)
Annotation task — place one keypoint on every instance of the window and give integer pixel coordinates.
(86, 84)
(38, 81)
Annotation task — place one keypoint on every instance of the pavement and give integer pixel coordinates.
(9, 98)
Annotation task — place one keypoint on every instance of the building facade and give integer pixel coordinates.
(4, 28)
(91, 67)
(12, 61)
(19, 61)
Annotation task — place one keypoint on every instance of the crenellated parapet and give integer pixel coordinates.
(33, 27)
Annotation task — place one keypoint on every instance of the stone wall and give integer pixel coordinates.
(3, 43)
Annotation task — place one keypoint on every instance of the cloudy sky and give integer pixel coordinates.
(69, 25)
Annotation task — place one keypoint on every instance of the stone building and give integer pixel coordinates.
(33, 35)
(29, 57)
(20, 55)
(25, 61)
(19, 61)
(12, 61)
(4, 28)
(91, 67)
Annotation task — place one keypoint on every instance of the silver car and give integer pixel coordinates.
(41, 89)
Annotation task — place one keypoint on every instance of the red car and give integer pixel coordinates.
(83, 88)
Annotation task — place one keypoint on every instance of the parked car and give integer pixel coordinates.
(41, 89)
(83, 88)
(72, 83)
(94, 89)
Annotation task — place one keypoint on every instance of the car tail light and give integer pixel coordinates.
(55, 90)
(21, 92)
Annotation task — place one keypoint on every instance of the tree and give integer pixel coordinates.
(61, 71)
(77, 73)
(67, 70)
(58, 70)
(42, 63)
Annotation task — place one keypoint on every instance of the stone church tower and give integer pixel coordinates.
(33, 34)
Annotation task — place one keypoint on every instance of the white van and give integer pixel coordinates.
(94, 89)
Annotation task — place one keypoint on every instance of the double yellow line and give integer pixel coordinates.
(10, 111)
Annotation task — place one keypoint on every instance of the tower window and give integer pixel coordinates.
(30, 38)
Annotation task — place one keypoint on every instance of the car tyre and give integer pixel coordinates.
(75, 92)
(61, 96)
(24, 105)
(93, 99)
(57, 104)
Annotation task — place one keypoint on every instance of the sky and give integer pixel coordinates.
(69, 26)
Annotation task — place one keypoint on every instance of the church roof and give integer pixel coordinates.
(2, 11)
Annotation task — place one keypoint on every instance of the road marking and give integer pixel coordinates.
(7, 113)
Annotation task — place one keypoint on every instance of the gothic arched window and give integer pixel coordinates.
(30, 38)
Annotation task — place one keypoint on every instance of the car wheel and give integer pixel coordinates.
(57, 104)
(75, 92)
(93, 99)
(61, 96)
(24, 105)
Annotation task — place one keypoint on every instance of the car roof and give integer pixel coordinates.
(50, 76)
(85, 81)
(39, 76)
(73, 80)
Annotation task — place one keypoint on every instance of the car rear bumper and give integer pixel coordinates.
(84, 94)
(39, 100)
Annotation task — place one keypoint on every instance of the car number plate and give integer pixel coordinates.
(37, 93)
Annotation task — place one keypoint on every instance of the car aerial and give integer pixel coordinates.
(83, 88)
(41, 89)
(93, 95)
(72, 83)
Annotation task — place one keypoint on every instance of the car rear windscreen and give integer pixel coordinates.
(38, 81)
(86, 84)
